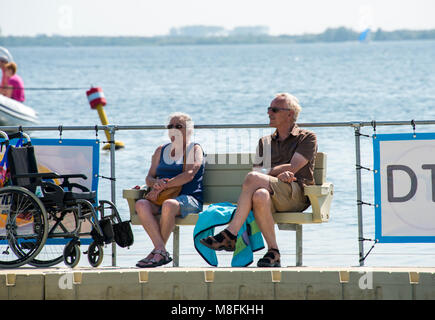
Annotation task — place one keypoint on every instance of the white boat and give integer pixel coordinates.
(14, 113)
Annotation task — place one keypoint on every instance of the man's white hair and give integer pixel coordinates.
(292, 103)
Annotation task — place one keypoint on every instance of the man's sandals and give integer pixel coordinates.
(152, 262)
(224, 240)
(270, 259)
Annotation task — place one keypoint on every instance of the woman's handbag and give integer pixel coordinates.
(169, 193)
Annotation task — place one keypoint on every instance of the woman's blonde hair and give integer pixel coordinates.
(187, 120)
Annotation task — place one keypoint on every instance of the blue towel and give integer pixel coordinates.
(249, 238)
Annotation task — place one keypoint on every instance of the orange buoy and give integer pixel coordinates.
(97, 100)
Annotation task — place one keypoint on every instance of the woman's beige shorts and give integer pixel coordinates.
(287, 196)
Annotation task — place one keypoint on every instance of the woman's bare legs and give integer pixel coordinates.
(170, 209)
(158, 232)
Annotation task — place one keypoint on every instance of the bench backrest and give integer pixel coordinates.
(224, 175)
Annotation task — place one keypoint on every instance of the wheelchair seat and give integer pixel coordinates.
(69, 195)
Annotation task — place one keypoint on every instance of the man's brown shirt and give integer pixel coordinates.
(299, 140)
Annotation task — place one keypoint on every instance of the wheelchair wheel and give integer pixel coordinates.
(95, 254)
(53, 251)
(71, 254)
(23, 226)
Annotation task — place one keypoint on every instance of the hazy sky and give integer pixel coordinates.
(156, 17)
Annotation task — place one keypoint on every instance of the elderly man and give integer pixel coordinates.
(279, 186)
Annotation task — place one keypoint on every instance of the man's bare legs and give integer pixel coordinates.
(261, 203)
(255, 195)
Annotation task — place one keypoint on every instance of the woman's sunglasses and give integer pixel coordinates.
(177, 126)
(276, 109)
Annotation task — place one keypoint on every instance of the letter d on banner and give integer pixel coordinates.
(390, 183)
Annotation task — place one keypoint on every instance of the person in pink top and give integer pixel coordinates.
(15, 85)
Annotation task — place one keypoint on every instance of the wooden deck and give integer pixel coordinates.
(167, 283)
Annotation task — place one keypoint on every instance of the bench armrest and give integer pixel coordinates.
(320, 198)
(132, 195)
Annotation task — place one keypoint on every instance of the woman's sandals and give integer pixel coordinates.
(270, 259)
(224, 240)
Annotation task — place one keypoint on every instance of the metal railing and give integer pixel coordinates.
(356, 125)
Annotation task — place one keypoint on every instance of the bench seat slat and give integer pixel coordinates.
(279, 217)
(224, 178)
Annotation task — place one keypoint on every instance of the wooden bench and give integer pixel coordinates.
(223, 177)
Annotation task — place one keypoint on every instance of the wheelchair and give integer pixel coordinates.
(42, 223)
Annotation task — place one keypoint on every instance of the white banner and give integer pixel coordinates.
(405, 187)
(66, 159)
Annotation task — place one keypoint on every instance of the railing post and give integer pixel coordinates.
(112, 181)
(358, 193)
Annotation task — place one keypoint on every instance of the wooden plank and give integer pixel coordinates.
(230, 159)
(227, 167)
(320, 161)
(293, 217)
(224, 178)
(279, 217)
(215, 194)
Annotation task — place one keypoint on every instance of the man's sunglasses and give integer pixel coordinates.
(177, 126)
(276, 109)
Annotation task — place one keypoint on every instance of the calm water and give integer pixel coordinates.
(235, 84)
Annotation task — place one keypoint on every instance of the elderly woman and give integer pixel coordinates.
(166, 171)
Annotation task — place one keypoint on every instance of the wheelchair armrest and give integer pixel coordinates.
(47, 175)
(70, 185)
(77, 175)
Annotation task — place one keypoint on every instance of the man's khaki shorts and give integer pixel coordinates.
(287, 196)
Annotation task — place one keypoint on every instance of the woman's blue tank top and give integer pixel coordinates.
(166, 169)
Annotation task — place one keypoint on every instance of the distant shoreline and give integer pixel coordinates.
(330, 35)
